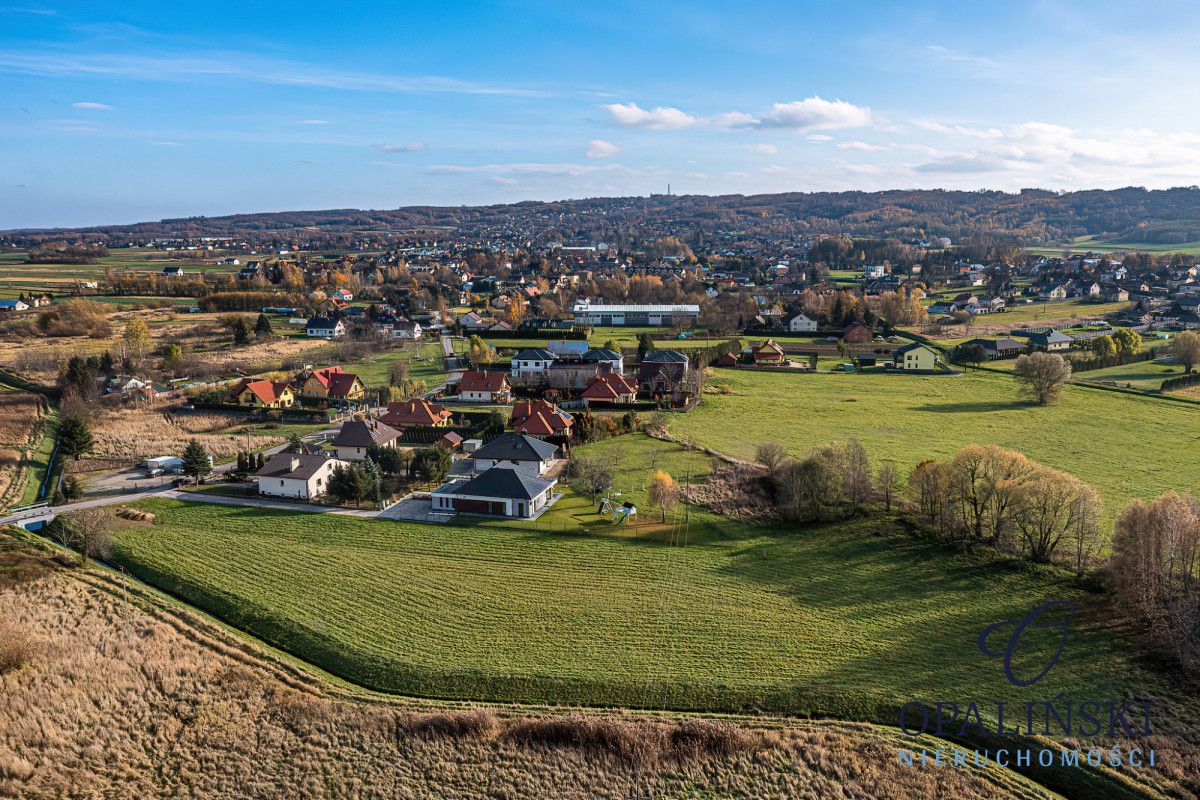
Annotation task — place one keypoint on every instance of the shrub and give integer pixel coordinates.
(17, 647)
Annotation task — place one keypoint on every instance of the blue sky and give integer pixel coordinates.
(131, 111)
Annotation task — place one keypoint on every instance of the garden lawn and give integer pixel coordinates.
(1125, 445)
(425, 362)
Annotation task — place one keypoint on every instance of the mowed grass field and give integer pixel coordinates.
(831, 620)
(1085, 244)
(1126, 446)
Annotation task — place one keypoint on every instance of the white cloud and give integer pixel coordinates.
(407, 147)
(863, 147)
(90, 106)
(815, 113)
(598, 148)
(499, 181)
(768, 149)
(812, 113)
(312, 122)
(659, 118)
(819, 137)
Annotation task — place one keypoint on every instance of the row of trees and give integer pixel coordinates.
(989, 495)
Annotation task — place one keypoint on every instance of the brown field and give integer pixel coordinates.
(19, 413)
(114, 693)
(133, 434)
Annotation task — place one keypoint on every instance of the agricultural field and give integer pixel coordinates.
(22, 419)
(1144, 375)
(18, 276)
(1085, 244)
(910, 418)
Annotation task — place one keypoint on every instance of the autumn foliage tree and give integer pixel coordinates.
(664, 492)
(1042, 376)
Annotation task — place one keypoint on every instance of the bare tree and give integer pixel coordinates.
(88, 531)
(771, 455)
(1042, 376)
(1186, 348)
(887, 482)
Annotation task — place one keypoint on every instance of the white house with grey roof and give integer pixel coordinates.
(501, 491)
(301, 476)
(517, 450)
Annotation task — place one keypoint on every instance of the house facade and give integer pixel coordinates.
(502, 491)
(358, 436)
(262, 394)
(801, 324)
(917, 357)
(301, 476)
(484, 387)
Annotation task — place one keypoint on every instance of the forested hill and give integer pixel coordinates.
(1168, 216)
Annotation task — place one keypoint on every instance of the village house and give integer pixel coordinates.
(484, 387)
(856, 333)
(1050, 341)
(13, 305)
(302, 476)
(502, 491)
(801, 323)
(916, 356)
(540, 418)
(610, 389)
(769, 352)
(517, 450)
(999, 348)
(326, 327)
(418, 411)
(263, 394)
(531, 361)
(330, 383)
(663, 372)
(358, 436)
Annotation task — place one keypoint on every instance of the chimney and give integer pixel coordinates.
(294, 463)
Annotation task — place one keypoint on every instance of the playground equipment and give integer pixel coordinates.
(623, 513)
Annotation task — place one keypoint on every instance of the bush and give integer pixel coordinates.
(17, 647)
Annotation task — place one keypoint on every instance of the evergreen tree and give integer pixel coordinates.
(241, 334)
(74, 438)
(262, 327)
(373, 481)
(195, 460)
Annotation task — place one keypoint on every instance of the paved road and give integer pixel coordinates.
(263, 502)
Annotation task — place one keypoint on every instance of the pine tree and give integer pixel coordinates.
(195, 460)
(373, 482)
(241, 334)
(262, 327)
(74, 438)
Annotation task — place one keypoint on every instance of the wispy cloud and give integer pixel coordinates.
(311, 122)
(768, 149)
(239, 66)
(810, 114)
(407, 147)
(530, 168)
(90, 106)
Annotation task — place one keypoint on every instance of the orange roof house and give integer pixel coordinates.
(488, 387)
(610, 388)
(263, 394)
(417, 411)
(540, 418)
(769, 352)
(331, 383)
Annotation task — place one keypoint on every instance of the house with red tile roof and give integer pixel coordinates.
(330, 383)
(263, 394)
(484, 387)
(769, 352)
(418, 411)
(539, 418)
(611, 388)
